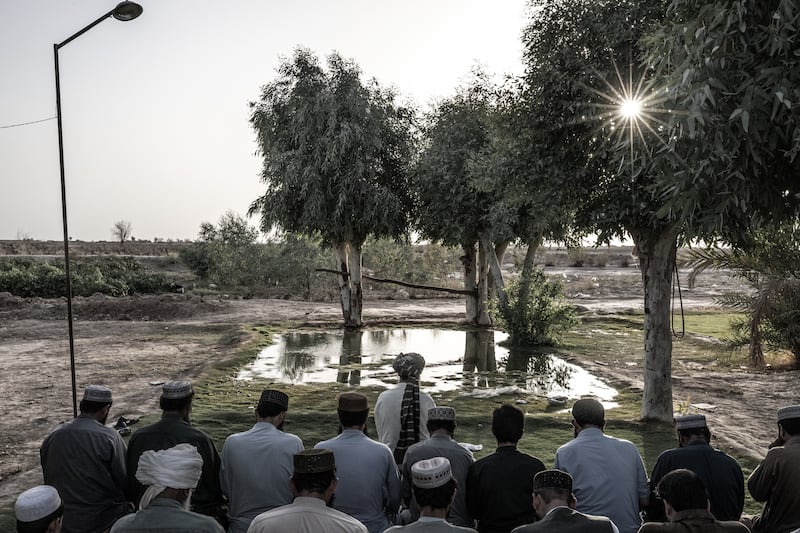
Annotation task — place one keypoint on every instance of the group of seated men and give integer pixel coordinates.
(170, 476)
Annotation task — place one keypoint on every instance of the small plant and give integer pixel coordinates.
(577, 257)
(537, 311)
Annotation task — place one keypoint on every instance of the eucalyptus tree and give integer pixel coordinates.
(454, 203)
(732, 71)
(336, 152)
(583, 62)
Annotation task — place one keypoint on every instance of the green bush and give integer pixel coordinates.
(536, 316)
(114, 276)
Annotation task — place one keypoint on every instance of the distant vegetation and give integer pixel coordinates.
(112, 275)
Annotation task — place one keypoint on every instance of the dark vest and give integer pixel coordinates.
(568, 521)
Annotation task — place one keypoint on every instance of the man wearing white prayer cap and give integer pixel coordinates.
(720, 472)
(39, 510)
(85, 461)
(776, 481)
(434, 490)
(169, 475)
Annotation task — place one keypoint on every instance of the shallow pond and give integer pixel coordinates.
(468, 360)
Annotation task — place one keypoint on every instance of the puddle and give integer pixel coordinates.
(470, 361)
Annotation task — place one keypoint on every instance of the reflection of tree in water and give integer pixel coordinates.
(528, 369)
(350, 354)
(294, 364)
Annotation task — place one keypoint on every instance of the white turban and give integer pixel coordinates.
(178, 467)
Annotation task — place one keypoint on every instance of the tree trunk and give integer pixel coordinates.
(656, 251)
(527, 268)
(494, 269)
(344, 281)
(470, 281)
(356, 287)
(500, 253)
(483, 318)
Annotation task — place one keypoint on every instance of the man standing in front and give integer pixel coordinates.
(441, 425)
(776, 481)
(257, 464)
(175, 428)
(720, 472)
(608, 473)
(85, 461)
(313, 484)
(368, 487)
(169, 477)
(499, 486)
(555, 506)
(401, 413)
(686, 507)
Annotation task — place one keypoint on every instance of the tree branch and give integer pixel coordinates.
(403, 283)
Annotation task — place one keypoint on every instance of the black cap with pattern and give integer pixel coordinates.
(552, 479)
(274, 396)
(314, 461)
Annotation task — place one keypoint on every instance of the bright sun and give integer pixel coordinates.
(631, 108)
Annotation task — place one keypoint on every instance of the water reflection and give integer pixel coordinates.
(468, 360)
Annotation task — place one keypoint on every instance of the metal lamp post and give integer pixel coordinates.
(124, 11)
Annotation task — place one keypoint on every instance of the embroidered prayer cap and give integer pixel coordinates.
(589, 411)
(178, 467)
(442, 413)
(274, 396)
(788, 412)
(552, 479)
(97, 393)
(37, 503)
(431, 473)
(314, 461)
(353, 402)
(409, 365)
(690, 422)
(177, 390)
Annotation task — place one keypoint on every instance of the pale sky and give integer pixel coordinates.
(155, 110)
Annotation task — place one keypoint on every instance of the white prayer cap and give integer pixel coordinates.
(176, 390)
(37, 503)
(97, 393)
(791, 411)
(431, 473)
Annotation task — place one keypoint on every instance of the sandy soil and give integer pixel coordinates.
(134, 342)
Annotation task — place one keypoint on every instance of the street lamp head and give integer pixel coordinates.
(126, 11)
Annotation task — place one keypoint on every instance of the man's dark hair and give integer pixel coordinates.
(589, 412)
(269, 409)
(175, 404)
(551, 493)
(791, 426)
(439, 497)
(90, 407)
(449, 425)
(314, 482)
(352, 418)
(683, 490)
(508, 423)
(691, 432)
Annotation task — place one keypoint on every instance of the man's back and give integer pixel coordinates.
(609, 476)
(166, 515)
(166, 433)
(499, 489)
(306, 515)
(255, 471)
(694, 521)
(85, 462)
(369, 484)
(569, 521)
(387, 414)
(776, 481)
(460, 461)
(721, 474)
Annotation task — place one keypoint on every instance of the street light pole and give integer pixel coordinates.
(124, 11)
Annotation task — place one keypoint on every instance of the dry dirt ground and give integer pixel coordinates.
(133, 342)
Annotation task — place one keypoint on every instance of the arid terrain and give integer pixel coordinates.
(134, 343)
